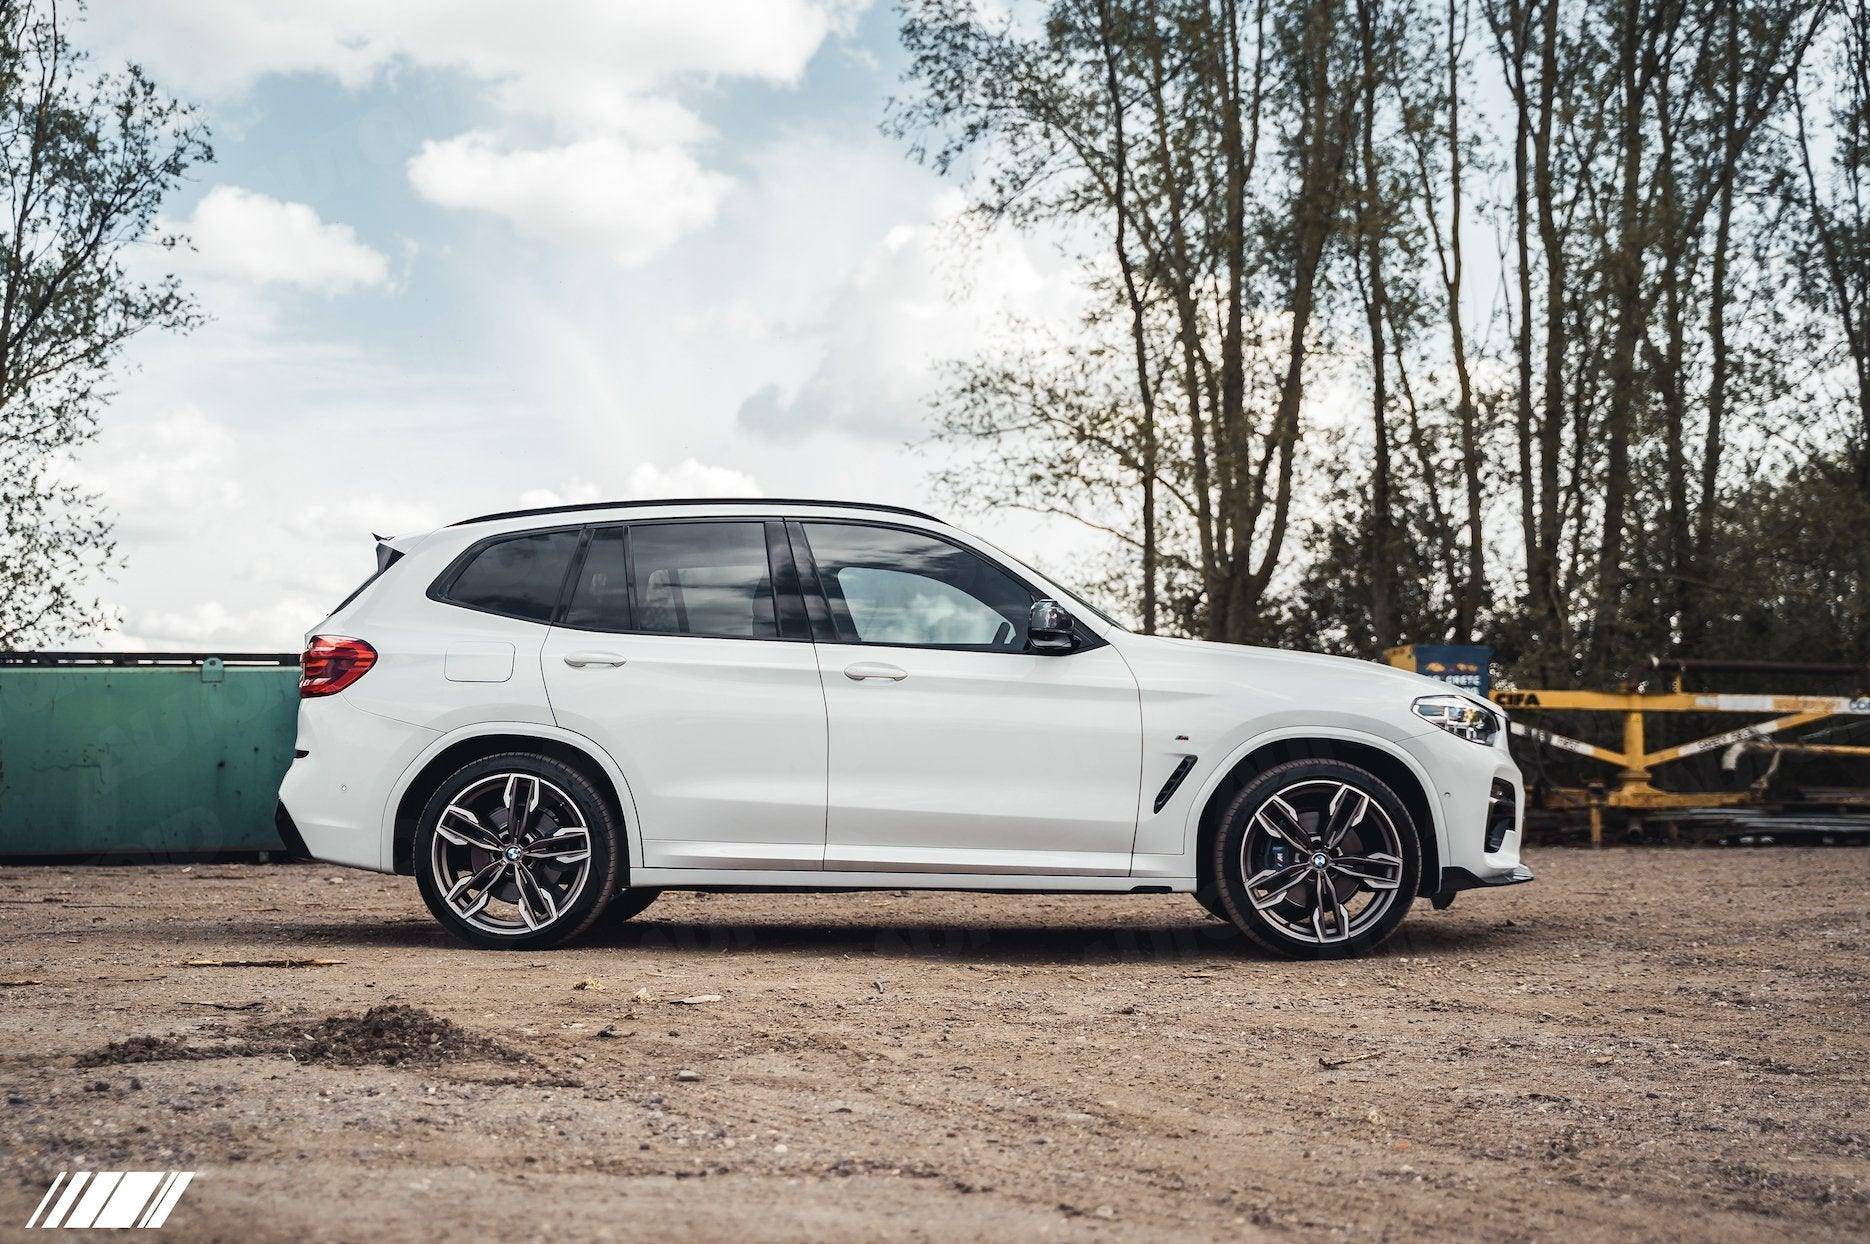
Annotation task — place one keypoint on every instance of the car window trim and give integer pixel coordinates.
(788, 599)
(444, 582)
(1087, 638)
(810, 589)
(629, 562)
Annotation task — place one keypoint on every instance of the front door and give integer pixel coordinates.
(952, 748)
(676, 655)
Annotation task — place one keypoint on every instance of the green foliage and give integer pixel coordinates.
(85, 161)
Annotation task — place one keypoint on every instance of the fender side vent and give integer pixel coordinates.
(1175, 780)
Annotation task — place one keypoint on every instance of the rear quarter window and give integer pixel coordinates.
(520, 576)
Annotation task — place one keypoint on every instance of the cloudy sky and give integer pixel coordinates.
(461, 256)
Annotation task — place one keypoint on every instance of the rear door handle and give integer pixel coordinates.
(874, 669)
(593, 660)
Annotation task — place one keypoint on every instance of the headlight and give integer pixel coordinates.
(1459, 715)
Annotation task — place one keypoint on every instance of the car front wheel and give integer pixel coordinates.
(1316, 859)
(517, 852)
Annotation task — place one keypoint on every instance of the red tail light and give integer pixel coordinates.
(330, 663)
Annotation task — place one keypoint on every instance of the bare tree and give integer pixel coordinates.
(1263, 192)
(1838, 210)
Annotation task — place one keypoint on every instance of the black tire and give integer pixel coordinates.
(627, 905)
(580, 906)
(1210, 901)
(1345, 927)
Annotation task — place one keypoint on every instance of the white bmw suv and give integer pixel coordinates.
(551, 716)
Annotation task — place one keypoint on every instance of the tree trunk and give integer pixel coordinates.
(1372, 225)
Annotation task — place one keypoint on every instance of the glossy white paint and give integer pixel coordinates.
(478, 661)
(1006, 762)
(755, 762)
(723, 739)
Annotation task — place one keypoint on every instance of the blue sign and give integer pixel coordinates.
(1466, 666)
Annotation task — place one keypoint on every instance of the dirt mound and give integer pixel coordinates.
(383, 1036)
(140, 1050)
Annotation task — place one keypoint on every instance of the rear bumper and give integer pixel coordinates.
(289, 835)
(336, 795)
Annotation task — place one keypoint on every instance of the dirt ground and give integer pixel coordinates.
(1646, 1044)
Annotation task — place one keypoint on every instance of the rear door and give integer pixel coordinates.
(952, 747)
(684, 652)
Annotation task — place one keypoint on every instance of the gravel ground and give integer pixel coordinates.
(1647, 1044)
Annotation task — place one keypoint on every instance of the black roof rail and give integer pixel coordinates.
(624, 505)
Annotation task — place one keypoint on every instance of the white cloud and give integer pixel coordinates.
(358, 519)
(604, 77)
(577, 492)
(689, 478)
(166, 477)
(209, 624)
(252, 237)
(608, 193)
(900, 315)
(580, 62)
(646, 482)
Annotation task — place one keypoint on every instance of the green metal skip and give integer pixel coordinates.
(143, 754)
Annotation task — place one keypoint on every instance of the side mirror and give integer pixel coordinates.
(1049, 630)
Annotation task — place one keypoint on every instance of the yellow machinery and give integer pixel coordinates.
(1632, 788)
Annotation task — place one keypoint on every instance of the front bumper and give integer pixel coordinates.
(1455, 880)
(1470, 783)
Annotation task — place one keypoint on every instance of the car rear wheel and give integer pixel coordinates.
(517, 852)
(1317, 859)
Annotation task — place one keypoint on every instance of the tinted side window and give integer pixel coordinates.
(702, 579)
(887, 586)
(600, 599)
(520, 576)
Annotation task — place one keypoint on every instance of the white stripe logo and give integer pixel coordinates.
(110, 1199)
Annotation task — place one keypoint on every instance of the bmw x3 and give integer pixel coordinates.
(549, 717)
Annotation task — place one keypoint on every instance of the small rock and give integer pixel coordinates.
(589, 983)
(688, 1075)
(698, 1000)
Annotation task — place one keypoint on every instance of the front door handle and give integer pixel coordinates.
(874, 669)
(593, 660)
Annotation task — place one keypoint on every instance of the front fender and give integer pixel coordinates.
(1191, 822)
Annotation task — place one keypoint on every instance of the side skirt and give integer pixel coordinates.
(822, 879)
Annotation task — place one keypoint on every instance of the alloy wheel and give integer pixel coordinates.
(1322, 861)
(511, 853)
